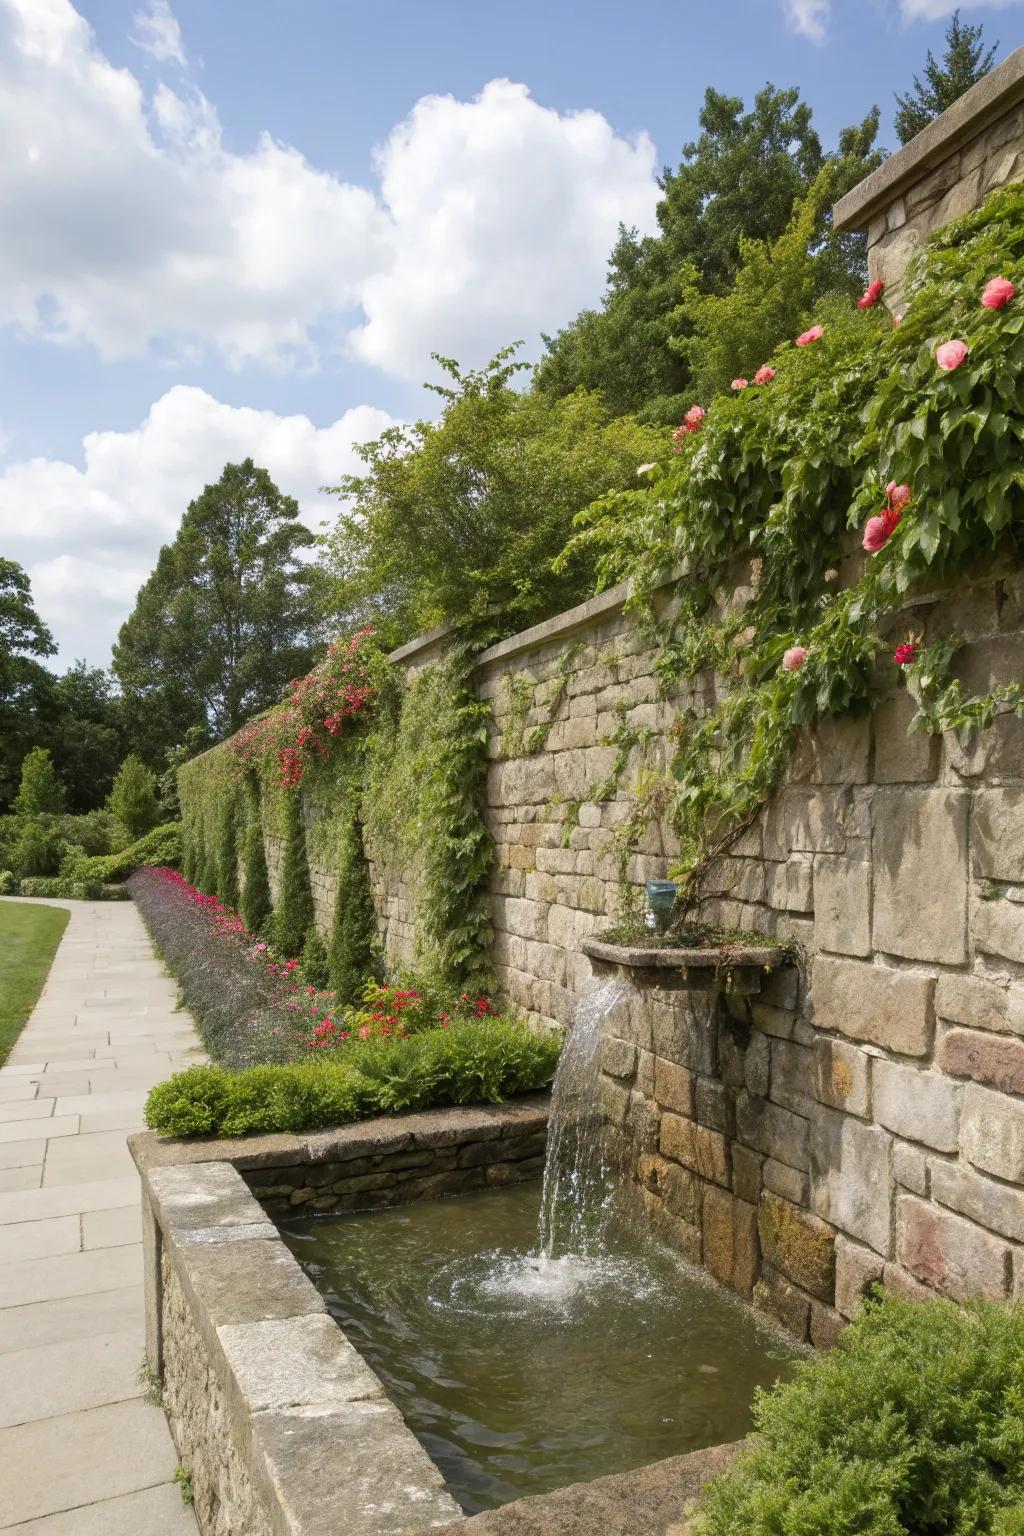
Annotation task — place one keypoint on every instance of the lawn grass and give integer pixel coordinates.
(29, 936)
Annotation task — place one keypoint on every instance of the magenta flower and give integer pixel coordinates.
(872, 293)
(764, 375)
(951, 354)
(815, 333)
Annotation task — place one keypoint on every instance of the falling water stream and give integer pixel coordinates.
(532, 1343)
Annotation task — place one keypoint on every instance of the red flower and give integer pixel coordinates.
(872, 293)
(904, 654)
(764, 375)
(815, 333)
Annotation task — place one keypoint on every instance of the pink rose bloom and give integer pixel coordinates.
(998, 293)
(764, 375)
(740, 383)
(951, 354)
(695, 415)
(872, 293)
(898, 496)
(794, 658)
(815, 333)
(879, 530)
(904, 654)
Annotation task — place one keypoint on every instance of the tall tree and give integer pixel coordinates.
(224, 621)
(739, 180)
(27, 705)
(964, 63)
(86, 734)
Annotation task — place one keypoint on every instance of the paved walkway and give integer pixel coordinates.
(82, 1451)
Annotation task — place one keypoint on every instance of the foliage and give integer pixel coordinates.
(473, 1062)
(86, 734)
(41, 790)
(313, 964)
(293, 915)
(739, 180)
(964, 63)
(455, 518)
(63, 887)
(227, 854)
(28, 941)
(224, 620)
(196, 739)
(8, 882)
(764, 496)
(256, 905)
(913, 1424)
(161, 846)
(38, 849)
(354, 950)
(26, 702)
(132, 797)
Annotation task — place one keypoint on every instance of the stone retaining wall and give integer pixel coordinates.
(282, 1426)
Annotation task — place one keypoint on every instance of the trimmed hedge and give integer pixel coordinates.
(61, 886)
(160, 846)
(913, 1425)
(475, 1062)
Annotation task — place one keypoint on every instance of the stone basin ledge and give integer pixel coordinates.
(672, 966)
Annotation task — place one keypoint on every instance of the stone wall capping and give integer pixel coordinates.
(704, 966)
(982, 105)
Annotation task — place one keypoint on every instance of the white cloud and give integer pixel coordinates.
(808, 17)
(488, 219)
(89, 536)
(932, 10)
(157, 32)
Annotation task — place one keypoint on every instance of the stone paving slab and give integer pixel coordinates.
(82, 1452)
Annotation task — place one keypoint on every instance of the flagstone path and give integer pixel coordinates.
(82, 1450)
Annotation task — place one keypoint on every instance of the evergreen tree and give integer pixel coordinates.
(964, 63)
(293, 917)
(41, 792)
(315, 969)
(354, 945)
(227, 855)
(27, 705)
(133, 797)
(256, 903)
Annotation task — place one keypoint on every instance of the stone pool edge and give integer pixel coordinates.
(282, 1426)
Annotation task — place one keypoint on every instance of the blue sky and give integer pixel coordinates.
(242, 226)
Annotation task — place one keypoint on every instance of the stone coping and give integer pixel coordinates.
(675, 958)
(989, 99)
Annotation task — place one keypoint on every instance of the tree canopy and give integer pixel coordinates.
(964, 62)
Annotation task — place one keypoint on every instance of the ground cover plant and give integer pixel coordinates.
(913, 1425)
(29, 936)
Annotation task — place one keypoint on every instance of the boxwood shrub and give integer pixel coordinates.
(160, 846)
(475, 1061)
(912, 1426)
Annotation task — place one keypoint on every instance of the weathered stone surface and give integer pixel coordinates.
(674, 1086)
(618, 1057)
(792, 1076)
(991, 1059)
(834, 752)
(997, 833)
(773, 1130)
(717, 1230)
(999, 929)
(887, 1007)
(715, 1106)
(783, 1301)
(826, 1325)
(851, 1179)
(789, 886)
(695, 1146)
(973, 1001)
(919, 848)
(857, 1269)
(842, 1076)
(799, 1245)
(679, 1234)
(842, 904)
(920, 1106)
(805, 820)
(910, 1167)
(1000, 1207)
(992, 1133)
(682, 1192)
(746, 1173)
(746, 1260)
(791, 1183)
(902, 756)
(952, 1255)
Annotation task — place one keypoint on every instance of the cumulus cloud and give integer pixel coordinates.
(89, 536)
(808, 17)
(131, 225)
(932, 10)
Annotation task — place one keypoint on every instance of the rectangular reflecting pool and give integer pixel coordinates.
(520, 1375)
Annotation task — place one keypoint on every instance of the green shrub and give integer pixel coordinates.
(161, 846)
(313, 965)
(41, 791)
(93, 832)
(293, 916)
(133, 797)
(912, 1426)
(227, 855)
(354, 946)
(61, 886)
(473, 1062)
(8, 882)
(38, 850)
(256, 904)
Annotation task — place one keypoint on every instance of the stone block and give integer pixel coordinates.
(770, 1129)
(999, 1207)
(790, 1183)
(901, 1283)
(673, 1086)
(790, 1307)
(799, 1245)
(857, 1270)
(778, 1022)
(997, 833)
(842, 1076)
(704, 1151)
(972, 1001)
(715, 1106)
(792, 1076)
(992, 1133)
(994, 753)
(645, 1073)
(995, 1060)
(833, 752)
(758, 1065)
(746, 1256)
(851, 1178)
(808, 820)
(614, 1101)
(643, 1122)
(682, 1193)
(673, 1230)
(826, 1325)
(876, 1003)
(651, 1171)
(999, 930)
(842, 904)
(717, 1233)
(902, 756)
(618, 1057)
(682, 1030)
(953, 1256)
(781, 987)
(789, 887)
(919, 848)
(746, 1173)
(919, 1106)
(910, 1167)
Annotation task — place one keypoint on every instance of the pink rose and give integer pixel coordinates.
(951, 354)
(794, 658)
(740, 383)
(872, 293)
(764, 375)
(898, 496)
(998, 293)
(904, 654)
(815, 333)
(879, 530)
(694, 416)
